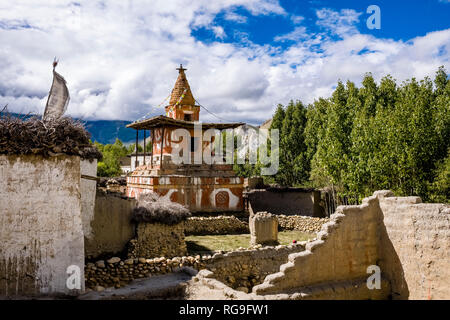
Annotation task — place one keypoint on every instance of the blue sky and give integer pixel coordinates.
(243, 56)
(401, 20)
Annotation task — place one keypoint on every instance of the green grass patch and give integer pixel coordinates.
(211, 243)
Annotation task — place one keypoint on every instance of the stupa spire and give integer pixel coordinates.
(181, 88)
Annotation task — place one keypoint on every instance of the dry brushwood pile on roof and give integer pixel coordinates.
(47, 138)
(153, 208)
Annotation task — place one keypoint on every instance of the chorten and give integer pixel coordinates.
(200, 186)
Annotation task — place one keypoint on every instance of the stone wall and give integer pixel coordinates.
(115, 272)
(158, 240)
(41, 232)
(288, 201)
(238, 269)
(416, 247)
(215, 225)
(111, 228)
(233, 225)
(301, 223)
(246, 268)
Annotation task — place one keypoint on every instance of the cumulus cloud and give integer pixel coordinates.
(119, 58)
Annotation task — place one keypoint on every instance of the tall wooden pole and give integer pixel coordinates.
(145, 132)
(152, 133)
(137, 143)
(162, 146)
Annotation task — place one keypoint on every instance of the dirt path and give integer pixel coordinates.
(168, 286)
(198, 291)
(176, 285)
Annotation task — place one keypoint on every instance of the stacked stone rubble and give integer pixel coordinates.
(301, 223)
(157, 239)
(214, 225)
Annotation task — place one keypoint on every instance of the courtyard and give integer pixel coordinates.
(230, 242)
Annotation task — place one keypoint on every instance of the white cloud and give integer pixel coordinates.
(340, 23)
(297, 34)
(297, 19)
(233, 16)
(119, 58)
(219, 32)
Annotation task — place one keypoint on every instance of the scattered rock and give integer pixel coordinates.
(113, 260)
(243, 289)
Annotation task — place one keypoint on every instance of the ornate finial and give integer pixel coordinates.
(181, 69)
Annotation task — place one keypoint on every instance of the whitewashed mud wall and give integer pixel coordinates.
(40, 224)
(88, 188)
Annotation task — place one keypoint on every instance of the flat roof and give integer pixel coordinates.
(160, 121)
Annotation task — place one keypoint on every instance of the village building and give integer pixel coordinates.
(127, 166)
(200, 185)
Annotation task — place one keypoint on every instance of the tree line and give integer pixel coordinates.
(112, 153)
(378, 136)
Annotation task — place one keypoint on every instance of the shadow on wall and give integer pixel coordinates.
(287, 201)
(407, 239)
(391, 265)
(111, 226)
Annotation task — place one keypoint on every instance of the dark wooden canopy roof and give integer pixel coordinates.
(160, 121)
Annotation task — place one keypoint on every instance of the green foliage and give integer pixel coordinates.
(382, 137)
(440, 187)
(110, 165)
(246, 169)
(291, 122)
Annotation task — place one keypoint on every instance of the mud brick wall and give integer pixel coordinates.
(416, 247)
(288, 201)
(111, 227)
(344, 248)
(407, 239)
(88, 188)
(41, 230)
